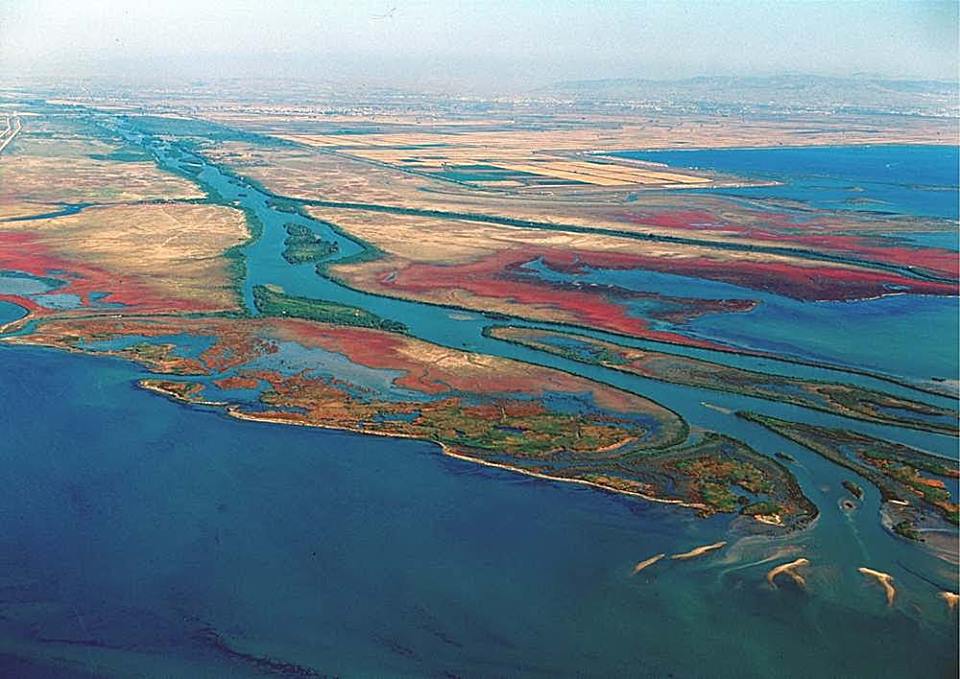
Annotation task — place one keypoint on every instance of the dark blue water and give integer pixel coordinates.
(911, 180)
(10, 312)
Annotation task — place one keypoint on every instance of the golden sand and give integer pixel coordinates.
(647, 563)
(789, 569)
(699, 551)
(885, 579)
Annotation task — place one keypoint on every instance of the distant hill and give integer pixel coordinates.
(858, 94)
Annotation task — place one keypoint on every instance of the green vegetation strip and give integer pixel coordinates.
(274, 303)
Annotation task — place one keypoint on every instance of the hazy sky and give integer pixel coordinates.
(530, 42)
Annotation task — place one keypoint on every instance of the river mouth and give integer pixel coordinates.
(316, 551)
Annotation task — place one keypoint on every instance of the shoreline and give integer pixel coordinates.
(233, 411)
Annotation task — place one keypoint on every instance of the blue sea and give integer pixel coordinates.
(897, 179)
(146, 538)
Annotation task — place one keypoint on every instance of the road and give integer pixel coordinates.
(13, 128)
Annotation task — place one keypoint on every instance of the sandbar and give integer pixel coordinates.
(647, 562)
(789, 569)
(699, 551)
(884, 579)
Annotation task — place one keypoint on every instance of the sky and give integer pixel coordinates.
(519, 43)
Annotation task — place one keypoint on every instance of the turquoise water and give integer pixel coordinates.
(906, 335)
(175, 541)
(913, 180)
(16, 283)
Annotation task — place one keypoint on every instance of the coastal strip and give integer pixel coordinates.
(235, 412)
(582, 482)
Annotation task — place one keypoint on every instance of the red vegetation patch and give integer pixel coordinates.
(934, 260)
(26, 253)
(238, 382)
(808, 282)
(782, 229)
(357, 343)
(491, 277)
(24, 302)
(371, 348)
(426, 374)
(680, 219)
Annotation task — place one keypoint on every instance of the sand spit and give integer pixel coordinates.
(699, 551)
(951, 598)
(646, 563)
(789, 569)
(885, 579)
(177, 396)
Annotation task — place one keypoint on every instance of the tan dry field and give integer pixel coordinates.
(570, 156)
(312, 174)
(175, 250)
(38, 172)
(595, 132)
(523, 155)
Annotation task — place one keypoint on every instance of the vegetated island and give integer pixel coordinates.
(273, 302)
(854, 489)
(302, 245)
(485, 409)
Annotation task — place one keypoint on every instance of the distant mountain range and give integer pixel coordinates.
(866, 94)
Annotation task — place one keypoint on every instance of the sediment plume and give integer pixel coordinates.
(647, 562)
(885, 579)
(789, 569)
(699, 551)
